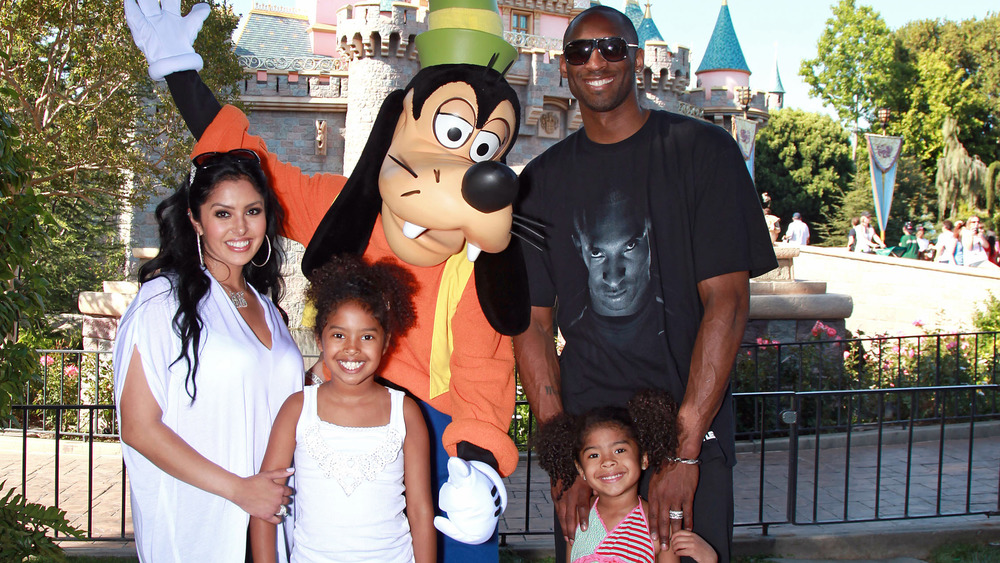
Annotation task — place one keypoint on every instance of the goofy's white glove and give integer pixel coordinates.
(474, 497)
(166, 38)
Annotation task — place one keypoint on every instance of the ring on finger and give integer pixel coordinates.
(282, 512)
(676, 514)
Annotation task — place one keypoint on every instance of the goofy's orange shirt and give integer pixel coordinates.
(452, 358)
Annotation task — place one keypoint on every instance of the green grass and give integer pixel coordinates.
(966, 553)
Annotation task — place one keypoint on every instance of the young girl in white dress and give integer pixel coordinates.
(202, 363)
(610, 447)
(360, 450)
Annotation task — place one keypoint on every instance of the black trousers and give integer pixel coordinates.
(713, 508)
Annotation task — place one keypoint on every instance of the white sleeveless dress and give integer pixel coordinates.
(349, 489)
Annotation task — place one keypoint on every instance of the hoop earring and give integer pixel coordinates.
(201, 259)
(268, 254)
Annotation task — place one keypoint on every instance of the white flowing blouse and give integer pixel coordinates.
(241, 386)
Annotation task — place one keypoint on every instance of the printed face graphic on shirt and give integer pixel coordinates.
(613, 238)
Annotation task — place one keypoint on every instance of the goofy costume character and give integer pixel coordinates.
(429, 191)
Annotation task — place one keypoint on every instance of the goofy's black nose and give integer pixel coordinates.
(489, 186)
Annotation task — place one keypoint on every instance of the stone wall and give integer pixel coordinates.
(891, 293)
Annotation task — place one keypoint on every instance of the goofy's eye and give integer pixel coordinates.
(451, 131)
(484, 146)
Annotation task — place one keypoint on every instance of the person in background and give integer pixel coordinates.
(974, 243)
(924, 247)
(944, 248)
(773, 224)
(865, 238)
(852, 237)
(911, 249)
(798, 231)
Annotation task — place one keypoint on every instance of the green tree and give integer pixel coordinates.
(804, 162)
(87, 109)
(24, 221)
(855, 61)
(947, 69)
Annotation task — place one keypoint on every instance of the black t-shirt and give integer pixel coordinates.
(630, 229)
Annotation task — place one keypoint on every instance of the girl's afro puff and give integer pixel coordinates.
(383, 289)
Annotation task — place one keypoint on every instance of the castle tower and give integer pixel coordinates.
(723, 64)
(378, 39)
(634, 13)
(646, 28)
(776, 92)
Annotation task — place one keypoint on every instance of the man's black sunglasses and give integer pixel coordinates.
(613, 49)
(209, 159)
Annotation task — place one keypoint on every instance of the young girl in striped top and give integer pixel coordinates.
(610, 447)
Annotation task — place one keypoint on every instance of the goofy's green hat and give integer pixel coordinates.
(465, 32)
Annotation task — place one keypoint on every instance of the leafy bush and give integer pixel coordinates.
(25, 528)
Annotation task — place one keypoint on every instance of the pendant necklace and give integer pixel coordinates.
(237, 297)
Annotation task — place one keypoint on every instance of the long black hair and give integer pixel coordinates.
(178, 259)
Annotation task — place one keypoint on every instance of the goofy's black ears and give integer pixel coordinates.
(347, 226)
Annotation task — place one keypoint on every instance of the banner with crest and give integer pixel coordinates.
(745, 132)
(883, 150)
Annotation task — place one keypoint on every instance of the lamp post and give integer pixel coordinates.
(743, 97)
(883, 116)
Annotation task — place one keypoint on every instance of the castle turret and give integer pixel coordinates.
(776, 92)
(723, 64)
(647, 29)
(378, 38)
(634, 13)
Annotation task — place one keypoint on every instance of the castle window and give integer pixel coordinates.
(520, 22)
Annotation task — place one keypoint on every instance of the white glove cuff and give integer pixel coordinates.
(188, 61)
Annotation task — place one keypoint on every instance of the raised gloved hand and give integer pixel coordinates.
(166, 38)
(474, 497)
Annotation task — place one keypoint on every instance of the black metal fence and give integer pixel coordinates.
(828, 431)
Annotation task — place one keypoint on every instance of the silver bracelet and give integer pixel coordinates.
(684, 461)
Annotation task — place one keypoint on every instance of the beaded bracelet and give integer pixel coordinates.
(684, 461)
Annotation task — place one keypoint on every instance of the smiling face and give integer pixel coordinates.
(425, 216)
(601, 86)
(232, 224)
(610, 461)
(352, 344)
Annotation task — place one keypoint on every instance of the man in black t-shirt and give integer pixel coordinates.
(652, 231)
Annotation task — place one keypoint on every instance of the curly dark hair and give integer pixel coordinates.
(650, 420)
(383, 289)
(178, 261)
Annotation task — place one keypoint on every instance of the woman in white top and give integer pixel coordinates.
(203, 361)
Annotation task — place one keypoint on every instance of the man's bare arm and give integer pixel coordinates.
(538, 365)
(726, 301)
(538, 369)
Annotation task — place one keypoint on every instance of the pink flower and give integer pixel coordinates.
(71, 371)
(919, 323)
(831, 332)
(761, 340)
(46, 360)
(951, 344)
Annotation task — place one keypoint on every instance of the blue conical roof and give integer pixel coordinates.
(647, 30)
(634, 13)
(776, 87)
(723, 51)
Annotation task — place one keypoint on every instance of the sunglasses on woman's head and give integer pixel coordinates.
(613, 49)
(209, 159)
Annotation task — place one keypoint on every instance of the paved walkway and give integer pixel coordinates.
(831, 486)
